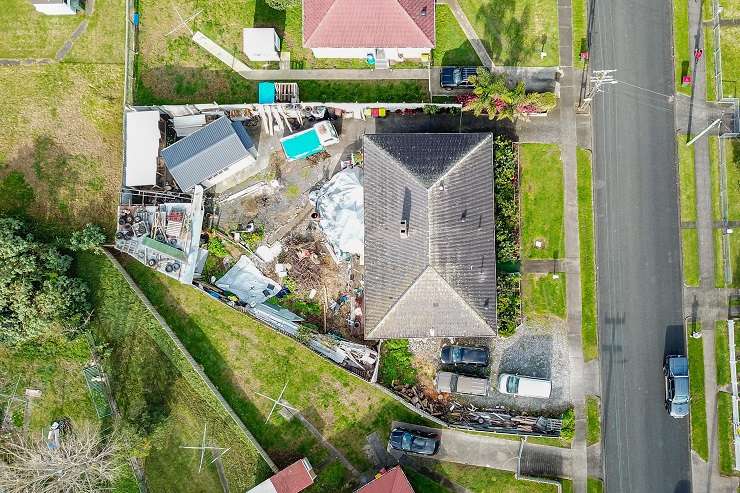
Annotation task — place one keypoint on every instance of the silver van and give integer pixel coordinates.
(524, 386)
(460, 384)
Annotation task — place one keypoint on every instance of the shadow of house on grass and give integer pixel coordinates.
(266, 16)
(502, 25)
(463, 55)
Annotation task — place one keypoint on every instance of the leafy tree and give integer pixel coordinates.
(36, 293)
(492, 96)
(88, 239)
(282, 4)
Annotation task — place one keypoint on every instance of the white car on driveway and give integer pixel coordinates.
(524, 386)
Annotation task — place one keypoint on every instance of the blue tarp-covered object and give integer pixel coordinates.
(266, 92)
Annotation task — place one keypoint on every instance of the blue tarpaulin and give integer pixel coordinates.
(266, 93)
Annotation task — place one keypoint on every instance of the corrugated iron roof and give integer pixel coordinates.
(441, 279)
(204, 153)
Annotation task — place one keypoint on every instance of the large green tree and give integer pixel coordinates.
(37, 295)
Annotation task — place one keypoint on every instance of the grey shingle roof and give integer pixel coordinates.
(441, 280)
(204, 153)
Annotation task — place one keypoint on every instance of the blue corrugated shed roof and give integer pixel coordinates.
(207, 151)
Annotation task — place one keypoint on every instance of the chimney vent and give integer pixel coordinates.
(423, 11)
(404, 228)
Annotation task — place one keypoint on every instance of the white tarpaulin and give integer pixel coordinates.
(248, 283)
(142, 147)
(340, 204)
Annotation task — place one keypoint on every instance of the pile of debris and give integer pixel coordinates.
(465, 415)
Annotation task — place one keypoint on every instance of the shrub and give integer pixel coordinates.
(282, 4)
(431, 109)
(217, 248)
(88, 239)
(395, 363)
(569, 425)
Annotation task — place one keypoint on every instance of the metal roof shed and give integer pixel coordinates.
(142, 148)
(210, 154)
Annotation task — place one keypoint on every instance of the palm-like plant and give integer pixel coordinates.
(492, 96)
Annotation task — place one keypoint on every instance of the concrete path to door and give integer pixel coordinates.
(469, 31)
(489, 451)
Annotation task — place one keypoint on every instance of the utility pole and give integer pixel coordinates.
(596, 81)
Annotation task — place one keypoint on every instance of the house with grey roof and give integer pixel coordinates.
(430, 259)
(211, 154)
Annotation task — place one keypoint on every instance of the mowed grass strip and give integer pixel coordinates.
(26, 33)
(593, 419)
(686, 179)
(485, 480)
(696, 384)
(730, 40)
(725, 434)
(589, 317)
(452, 46)
(515, 33)
(541, 196)
(690, 255)
(544, 295)
(681, 53)
(580, 31)
(242, 356)
(722, 353)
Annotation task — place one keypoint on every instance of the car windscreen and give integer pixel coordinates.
(512, 385)
(406, 441)
(457, 354)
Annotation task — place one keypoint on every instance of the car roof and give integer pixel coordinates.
(534, 387)
(678, 366)
(681, 387)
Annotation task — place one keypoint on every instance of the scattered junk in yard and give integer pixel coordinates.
(98, 387)
(310, 141)
(340, 212)
(57, 430)
(248, 283)
(162, 230)
(456, 413)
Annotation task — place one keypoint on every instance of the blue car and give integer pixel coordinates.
(414, 442)
(676, 374)
(464, 355)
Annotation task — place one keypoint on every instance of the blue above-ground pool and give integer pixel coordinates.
(302, 145)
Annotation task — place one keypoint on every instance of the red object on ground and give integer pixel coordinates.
(686, 81)
(393, 481)
(584, 55)
(295, 478)
(375, 112)
(368, 24)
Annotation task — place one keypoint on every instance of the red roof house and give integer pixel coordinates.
(385, 29)
(293, 479)
(392, 481)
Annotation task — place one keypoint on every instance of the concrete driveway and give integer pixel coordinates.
(489, 451)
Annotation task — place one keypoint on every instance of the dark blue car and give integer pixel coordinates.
(463, 355)
(415, 442)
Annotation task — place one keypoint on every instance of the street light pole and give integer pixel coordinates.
(596, 81)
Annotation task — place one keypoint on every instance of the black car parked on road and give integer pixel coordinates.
(464, 355)
(415, 442)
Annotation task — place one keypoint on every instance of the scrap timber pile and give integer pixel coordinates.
(465, 415)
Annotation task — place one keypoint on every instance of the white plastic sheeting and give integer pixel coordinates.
(248, 283)
(341, 208)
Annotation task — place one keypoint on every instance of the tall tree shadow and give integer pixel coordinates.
(505, 36)
(266, 16)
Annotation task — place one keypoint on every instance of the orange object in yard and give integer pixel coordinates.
(375, 112)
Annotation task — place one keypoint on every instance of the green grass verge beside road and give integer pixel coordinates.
(730, 40)
(719, 267)
(722, 353)
(690, 254)
(714, 176)
(541, 174)
(709, 56)
(725, 435)
(681, 43)
(452, 46)
(242, 356)
(589, 329)
(687, 179)
(544, 295)
(515, 32)
(580, 31)
(698, 411)
(594, 485)
(484, 480)
(593, 418)
(732, 160)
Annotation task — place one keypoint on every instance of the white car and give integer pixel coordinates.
(524, 386)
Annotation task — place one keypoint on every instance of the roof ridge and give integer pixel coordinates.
(321, 22)
(473, 310)
(462, 158)
(434, 31)
(396, 162)
(398, 300)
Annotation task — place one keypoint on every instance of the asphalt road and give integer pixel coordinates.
(639, 267)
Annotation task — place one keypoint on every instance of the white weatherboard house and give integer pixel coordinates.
(59, 7)
(210, 155)
(389, 30)
(261, 44)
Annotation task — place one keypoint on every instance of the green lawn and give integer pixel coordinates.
(690, 254)
(719, 269)
(242, 356)
(594, 485)
(580, 30)
(709, 58)
(515, 32)
(714, 176)
(483, 480)
(682, 54)
(422, 483)
(593, 419)
(698, 411)
(732, 160)
(735, 259)
(452, 46)
(400, 91)
(541, 174)
(687, 179)
(163, 401)
(730, 40)
(589, 330)
(25, 33)
(544, 296)
(725, 434)
(722, 353)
